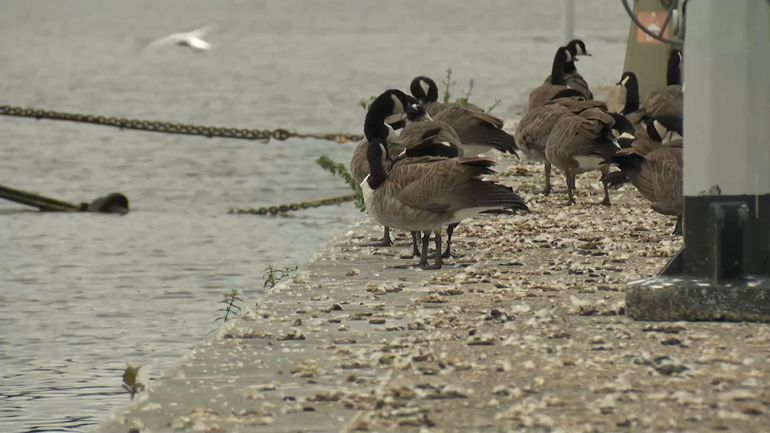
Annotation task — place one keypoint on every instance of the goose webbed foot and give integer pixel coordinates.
(386, 241)
(415, 246)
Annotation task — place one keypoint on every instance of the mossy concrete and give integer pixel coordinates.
(682, 298)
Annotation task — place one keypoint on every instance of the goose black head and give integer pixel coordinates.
(674, 68)
(627, 79)
(424, 89)
(577, 48)
(623, 130)
(665, 128)
(629, 82)
(391, 106)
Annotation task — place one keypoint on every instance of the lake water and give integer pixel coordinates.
(82, 294)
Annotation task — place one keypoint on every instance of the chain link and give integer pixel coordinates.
(264, 135)
(280, 209)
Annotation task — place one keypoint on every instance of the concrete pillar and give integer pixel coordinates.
(727, 121)
(723, 270)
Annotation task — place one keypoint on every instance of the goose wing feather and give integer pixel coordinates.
(667, 101)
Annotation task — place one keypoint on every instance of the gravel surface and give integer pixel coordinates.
(524, 332)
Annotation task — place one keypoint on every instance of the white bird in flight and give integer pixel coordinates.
(193, 39)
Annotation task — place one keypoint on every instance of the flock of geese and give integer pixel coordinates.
(431, 175)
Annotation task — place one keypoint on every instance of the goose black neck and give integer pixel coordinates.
(374, 156)
(673, 71)
(569, 67)
(557, 69)
(374, 125)
(632, 96)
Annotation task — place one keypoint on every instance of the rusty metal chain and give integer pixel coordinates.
(264, 135)
(280, 209)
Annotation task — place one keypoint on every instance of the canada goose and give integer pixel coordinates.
(631, 108)
(658, 177)
(535, 126)
(478, 131)
(557, 82)
(582, 142)
(424, 194)
(423, 136)
(389, 105)
(669, 100)
(572, 77)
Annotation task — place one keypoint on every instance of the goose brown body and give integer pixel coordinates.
(477, 130)
(359, 167)
(427, 193)
(668, 101)
(657, 175)
(414, 134)
(536, 125)
(582, 142)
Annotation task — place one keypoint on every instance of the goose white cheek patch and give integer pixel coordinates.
(425, 87)
(660, 129)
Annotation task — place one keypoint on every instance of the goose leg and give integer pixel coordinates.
(415, 246)
(424, 259)
(547, 187)
(386, 241)
(606, 201)
(439, 261)
(424, 254)
(678, 226)
(570, 189)
(449, 230)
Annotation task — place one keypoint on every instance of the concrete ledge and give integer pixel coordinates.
(677, 298)
(525, 332)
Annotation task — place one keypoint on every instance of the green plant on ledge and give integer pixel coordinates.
(340, 170)
(273, 276)
(131, 380)
(230, 309)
